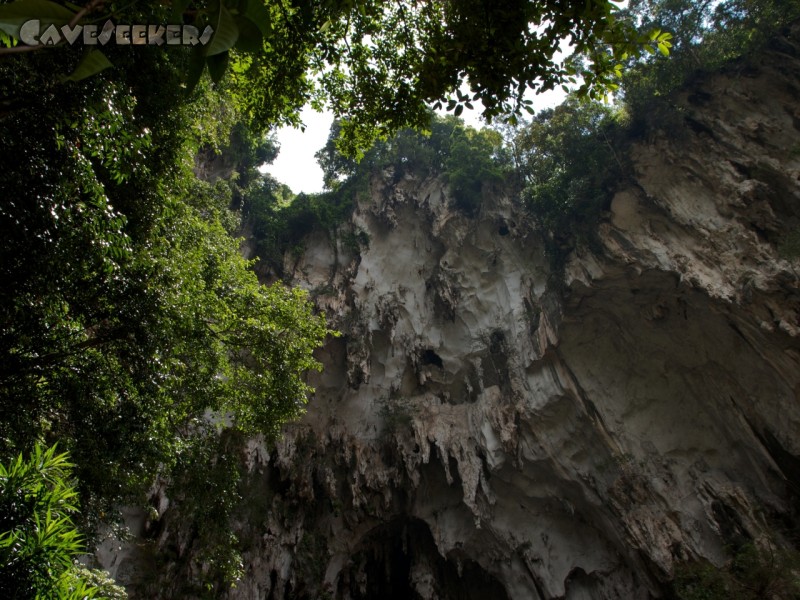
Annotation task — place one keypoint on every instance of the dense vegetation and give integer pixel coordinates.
(380, 64)
(752, 573)
(130, 325)
(134, 335)
(563, 163)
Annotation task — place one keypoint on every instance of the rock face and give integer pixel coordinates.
(485, 428)
(476, 434)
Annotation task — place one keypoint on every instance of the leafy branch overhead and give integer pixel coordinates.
(381, 64)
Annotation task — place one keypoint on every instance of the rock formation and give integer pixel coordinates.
(486, 428)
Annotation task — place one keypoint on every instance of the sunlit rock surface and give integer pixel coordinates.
(484, 429)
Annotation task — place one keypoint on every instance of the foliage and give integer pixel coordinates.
(132, 331)
(707, 36)
(127, 314)
(789, 245)
(568, 159)
(355, 241)
(280, 220)
(190, 330)
(472, 163)
(752, 574)
(380, 64)
(38, 540)
(396, 417)
(466, 157)
(204, 507)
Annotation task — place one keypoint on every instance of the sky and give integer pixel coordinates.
(297, 167)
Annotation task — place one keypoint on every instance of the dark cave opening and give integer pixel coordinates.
(394, 559)
(429, 357)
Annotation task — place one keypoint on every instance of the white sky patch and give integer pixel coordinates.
(296, 165)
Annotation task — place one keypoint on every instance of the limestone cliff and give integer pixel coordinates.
(487, 429)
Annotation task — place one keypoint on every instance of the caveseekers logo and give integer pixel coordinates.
(31, 33)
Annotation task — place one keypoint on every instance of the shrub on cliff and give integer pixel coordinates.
(752, 574)
(569, 160)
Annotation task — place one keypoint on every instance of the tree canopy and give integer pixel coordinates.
(131, 328)
(379, 64)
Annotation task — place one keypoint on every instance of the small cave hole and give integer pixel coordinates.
(503, 230)
(496, 341)
(429, 357)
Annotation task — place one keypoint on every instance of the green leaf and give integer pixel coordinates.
(256, 12)
(250, 38)
(197, 64)
(217, 65)
(6, 40)
(91, 63)
(13, 15)
(178, 8)
(225, 34)
(459, 110)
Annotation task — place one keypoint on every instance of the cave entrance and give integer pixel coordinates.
(399, 561)
(429, 357)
